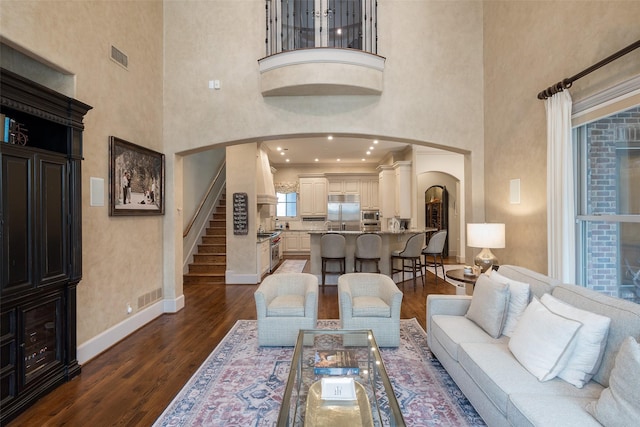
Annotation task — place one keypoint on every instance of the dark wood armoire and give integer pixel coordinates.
(41, 231)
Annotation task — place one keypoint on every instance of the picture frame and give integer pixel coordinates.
(136, 179)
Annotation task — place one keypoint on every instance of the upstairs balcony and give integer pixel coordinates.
(321, 47)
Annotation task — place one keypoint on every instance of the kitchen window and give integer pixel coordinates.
(608, 204)
(287, 204)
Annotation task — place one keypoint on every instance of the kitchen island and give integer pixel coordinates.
(391, 241)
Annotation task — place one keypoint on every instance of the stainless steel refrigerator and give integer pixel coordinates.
(343, 211)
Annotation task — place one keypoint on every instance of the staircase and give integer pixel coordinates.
(210, 263)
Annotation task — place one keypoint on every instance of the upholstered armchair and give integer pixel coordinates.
(286, 303)
(370, 301)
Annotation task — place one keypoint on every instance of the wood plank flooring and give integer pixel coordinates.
(132, 382)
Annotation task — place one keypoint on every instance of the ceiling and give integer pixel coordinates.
(327, 151)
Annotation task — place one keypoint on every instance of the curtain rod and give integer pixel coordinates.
(566, 83)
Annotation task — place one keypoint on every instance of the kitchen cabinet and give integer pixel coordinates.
(41, 233)
(264, 257)
(313, 197)
(387, 188)
(344, 185)
(369, 198)
(296, 242)
(402, 189)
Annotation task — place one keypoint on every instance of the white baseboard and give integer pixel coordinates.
(96, 345)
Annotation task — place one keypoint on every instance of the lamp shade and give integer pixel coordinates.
(485, 235)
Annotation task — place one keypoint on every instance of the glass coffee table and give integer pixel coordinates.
(337, 378)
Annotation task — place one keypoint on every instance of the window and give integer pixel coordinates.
(608, 205)
(287, 204)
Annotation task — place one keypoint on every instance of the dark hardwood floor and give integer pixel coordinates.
(132, 382)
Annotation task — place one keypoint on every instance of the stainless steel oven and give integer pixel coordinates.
(370, 221)
(275, 252)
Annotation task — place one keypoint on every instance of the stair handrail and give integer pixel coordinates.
(204, 199)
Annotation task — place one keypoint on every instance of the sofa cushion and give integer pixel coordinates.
(543, 341)
(286, 306)
(489, 304)
(527, 409)
(370, 306)
(624, 315)
(540, 284)
(518, 300)
(450, 331)
(590, 341)
(494, 369)
(618, 404)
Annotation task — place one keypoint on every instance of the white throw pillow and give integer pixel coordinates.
(591, 340)
(618, 404)
(542, 341)
(518, 300)
(489, 304)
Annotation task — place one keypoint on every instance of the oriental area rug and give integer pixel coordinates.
(241, 384)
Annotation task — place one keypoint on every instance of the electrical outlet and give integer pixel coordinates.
(129, 308)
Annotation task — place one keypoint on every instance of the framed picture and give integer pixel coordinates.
(136, 179)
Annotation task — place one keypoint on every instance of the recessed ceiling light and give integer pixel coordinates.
(337, 160)
(316, 160)
(362, 160)
(282, 153)
(368, 153)
(375, 141)
(330, 137)
(371, 148)
(279, 148)
(287, 160)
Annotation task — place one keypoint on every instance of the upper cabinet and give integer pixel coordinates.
(313, 196)
(395, 190)
(369, 194)
(344, 185)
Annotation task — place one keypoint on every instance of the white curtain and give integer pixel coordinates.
(560, 189)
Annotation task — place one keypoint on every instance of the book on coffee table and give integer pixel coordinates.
(336, 362)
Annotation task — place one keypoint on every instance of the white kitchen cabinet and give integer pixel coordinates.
(296, 242)
(264, 257)
(313, 196)
(403, 189)
(387, 188)
(369, 198)
(344, 185)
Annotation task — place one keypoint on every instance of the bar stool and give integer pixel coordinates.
(368, 247)
(332, 248)
(411, 253)
(435, 248)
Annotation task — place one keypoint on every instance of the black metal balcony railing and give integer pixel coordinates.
(303, 24)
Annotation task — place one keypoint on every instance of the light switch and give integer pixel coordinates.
(216, 84)
(211, 84)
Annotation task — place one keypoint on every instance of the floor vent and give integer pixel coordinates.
(119, 57)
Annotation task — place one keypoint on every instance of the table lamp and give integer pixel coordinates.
(485, 236)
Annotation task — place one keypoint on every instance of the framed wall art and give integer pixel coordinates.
(136, 179)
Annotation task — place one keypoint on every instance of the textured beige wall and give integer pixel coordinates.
(122, 256)
(528, 46)
(433, 93)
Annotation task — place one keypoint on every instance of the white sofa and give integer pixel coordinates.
(502, 391)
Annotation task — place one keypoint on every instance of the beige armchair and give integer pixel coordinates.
(370, 301)
(286, 303)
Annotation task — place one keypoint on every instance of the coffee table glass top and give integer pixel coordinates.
(358, 392)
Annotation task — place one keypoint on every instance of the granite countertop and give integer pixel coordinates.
(425, 230)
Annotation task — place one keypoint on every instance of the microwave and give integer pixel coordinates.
(370, 215)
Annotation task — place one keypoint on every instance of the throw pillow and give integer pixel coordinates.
(591, 340)
(518, 300)
(618, 404)
(489, 305)
(542, 341)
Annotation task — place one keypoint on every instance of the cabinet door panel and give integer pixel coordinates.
(17, 221)
(53, 225)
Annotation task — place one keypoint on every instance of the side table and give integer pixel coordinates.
(468, 279)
